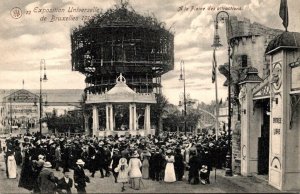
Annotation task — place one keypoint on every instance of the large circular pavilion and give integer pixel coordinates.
(121, 41)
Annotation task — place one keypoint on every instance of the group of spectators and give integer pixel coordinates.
(159, 158)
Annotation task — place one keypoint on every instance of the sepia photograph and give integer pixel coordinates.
(140, 96)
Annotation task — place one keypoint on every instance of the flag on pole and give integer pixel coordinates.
(214, 65)
(284, 13)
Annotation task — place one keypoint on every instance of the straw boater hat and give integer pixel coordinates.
(47, 165)
(204, 169)
(79, 161)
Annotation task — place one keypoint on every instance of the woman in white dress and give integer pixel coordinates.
(11, 166)
(122, 169)
(169, 171)
(135, 173)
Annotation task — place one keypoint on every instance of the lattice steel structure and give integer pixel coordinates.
(122, 41)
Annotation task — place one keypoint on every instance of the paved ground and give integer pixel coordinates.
(235, 184)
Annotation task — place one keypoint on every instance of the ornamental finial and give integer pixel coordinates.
(121, 79)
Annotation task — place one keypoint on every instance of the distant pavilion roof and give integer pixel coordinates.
(252, 76)
(284, 40)
(121, 93)
(59, 97)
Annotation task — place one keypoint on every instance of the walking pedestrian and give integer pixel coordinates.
(122, 170)
(134, 171)
(65, 184)
(115, 162)
(169, 170)
(57, 157)
(80, 179)
(179, 164)
(194, 164)
(158, 164)
(46, 180)
(26, 177)
(145, 164)
(11, 165)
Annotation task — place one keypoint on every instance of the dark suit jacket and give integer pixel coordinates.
(158, 162)
(46, 181)
(62, 185)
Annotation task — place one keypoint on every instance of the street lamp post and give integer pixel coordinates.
(11, 120)
(42, 78)
(182, 78)
(217, 44)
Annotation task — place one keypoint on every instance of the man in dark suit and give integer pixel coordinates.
(80, 178)
(65, 184)
(46, 179)
(179, 164)
(158, 165)
(57, 157)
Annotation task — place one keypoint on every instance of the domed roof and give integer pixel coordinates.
(121, 88)
(286, 39)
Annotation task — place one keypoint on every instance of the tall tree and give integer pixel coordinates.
(158, 111)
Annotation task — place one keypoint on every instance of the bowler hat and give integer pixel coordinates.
(79, 161)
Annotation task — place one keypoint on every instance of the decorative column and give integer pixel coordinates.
(109, 117)
(95, 120)
(284, 161)
(86, 123)
(132, 117)
(147, 126)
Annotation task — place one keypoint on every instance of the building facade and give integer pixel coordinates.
(20, 109)
(266, 89)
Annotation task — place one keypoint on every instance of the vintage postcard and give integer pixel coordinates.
(193, 95)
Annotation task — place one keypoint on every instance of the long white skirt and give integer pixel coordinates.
(170, 173)
(11, 167)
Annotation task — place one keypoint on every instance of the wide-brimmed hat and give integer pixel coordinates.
(146, 153)
(79, 161)
(123, 161)
(169, 151)
(41, 157)
(47, 165)
(135, 154)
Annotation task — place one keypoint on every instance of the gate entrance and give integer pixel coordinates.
(263, 140)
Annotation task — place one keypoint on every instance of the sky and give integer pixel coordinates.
(26, 40)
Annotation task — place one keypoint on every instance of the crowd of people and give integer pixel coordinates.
(129, 159)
